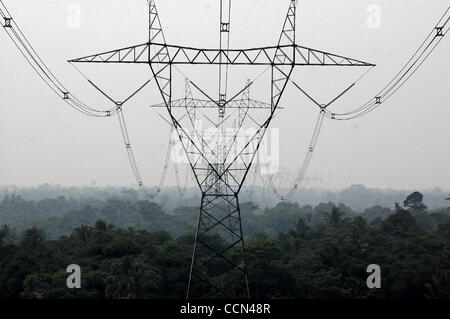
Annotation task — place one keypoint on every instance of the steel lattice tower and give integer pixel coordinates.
(219, 265)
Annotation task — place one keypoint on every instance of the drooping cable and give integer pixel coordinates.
(426, 48)
(42, 70)
(132, 159)
(298, 182)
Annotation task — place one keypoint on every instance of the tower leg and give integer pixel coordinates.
(219, 265)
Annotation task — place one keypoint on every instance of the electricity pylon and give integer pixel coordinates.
(220, 164)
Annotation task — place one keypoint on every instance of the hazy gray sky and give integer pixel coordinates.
(404, 144)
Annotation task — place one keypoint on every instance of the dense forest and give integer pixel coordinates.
(134, 249)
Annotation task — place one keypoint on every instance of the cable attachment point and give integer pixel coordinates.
(8, 23)
(224, 27)
(377, 100)
(108, 113)
(333, 116)
(119, 106)
(323, 108)
(65, 95)
(222, 102)
(439, 32)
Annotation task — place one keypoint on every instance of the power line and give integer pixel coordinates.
(219, 173)
(21, 42)
(48, 77)
(399, 80)
(424, 51)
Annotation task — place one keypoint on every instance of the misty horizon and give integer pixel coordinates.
(399, 146)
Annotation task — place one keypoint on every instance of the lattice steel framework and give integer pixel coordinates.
(220, 167)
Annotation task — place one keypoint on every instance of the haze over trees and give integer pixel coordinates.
(357, 197)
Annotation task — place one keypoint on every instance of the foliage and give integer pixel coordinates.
(323, 260)
(129, 248)
(415, 201)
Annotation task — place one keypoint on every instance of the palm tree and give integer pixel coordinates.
(82, 233)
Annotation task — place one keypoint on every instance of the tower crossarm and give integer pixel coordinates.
(208, 104)
(181, 55)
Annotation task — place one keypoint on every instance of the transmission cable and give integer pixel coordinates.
(42, 70)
